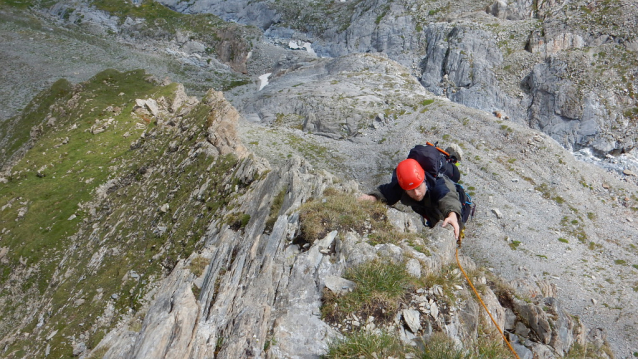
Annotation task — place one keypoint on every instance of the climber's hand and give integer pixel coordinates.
(453, 220)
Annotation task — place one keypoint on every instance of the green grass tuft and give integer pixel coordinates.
(379, 288)
(341, 211)
(364, 344)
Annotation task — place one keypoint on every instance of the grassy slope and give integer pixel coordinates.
(50, 275)
(15, 132)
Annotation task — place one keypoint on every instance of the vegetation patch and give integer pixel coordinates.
(343, 212)
(275, 208)
(589, 351)
(197, 265)
(488, 345)
(363, 344)
(380, 288)
(574, 228)
(15, 132)
(237, 220)
(549, 193)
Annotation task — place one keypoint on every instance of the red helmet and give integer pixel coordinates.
(410, 174)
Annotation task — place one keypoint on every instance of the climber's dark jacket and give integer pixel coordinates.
(440, 199)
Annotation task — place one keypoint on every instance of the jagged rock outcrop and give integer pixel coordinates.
(522, 9)
(459, 63)
(573, 117)
(460, 60)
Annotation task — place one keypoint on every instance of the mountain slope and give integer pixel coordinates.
(542, 214)
(170, 191)
(156, 202)
(567, 68)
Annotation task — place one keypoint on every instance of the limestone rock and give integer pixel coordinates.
(413, 268)
(221, 125)
(339, 285)
(536, 318)
(412, 319)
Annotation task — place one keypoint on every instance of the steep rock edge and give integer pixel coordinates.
(573, 221)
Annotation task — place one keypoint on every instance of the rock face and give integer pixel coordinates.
(465, 61)
(459, 63)
(251, 286)
(257, 287)
(486, 57)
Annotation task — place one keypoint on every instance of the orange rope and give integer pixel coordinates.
(481, 300)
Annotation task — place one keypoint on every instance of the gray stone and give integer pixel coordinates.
(151, 105)
(522, 351)
(391, 251)
(434, 310)
(536, 318)
(339, 285)
(79, 348)
(510, 319)
(194, 47)
(522, 330)
(540, 351)
(413, 268)
(413, 320)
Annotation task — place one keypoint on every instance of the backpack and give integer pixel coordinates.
(435, 162)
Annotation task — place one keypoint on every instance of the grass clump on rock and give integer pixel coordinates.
(589, 351)
(440, 346)
(380, 287)
(340, 211)
(367, 345)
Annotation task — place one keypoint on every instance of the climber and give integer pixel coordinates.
(432, 195)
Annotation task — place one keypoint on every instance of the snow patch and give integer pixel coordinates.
(263, 80)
